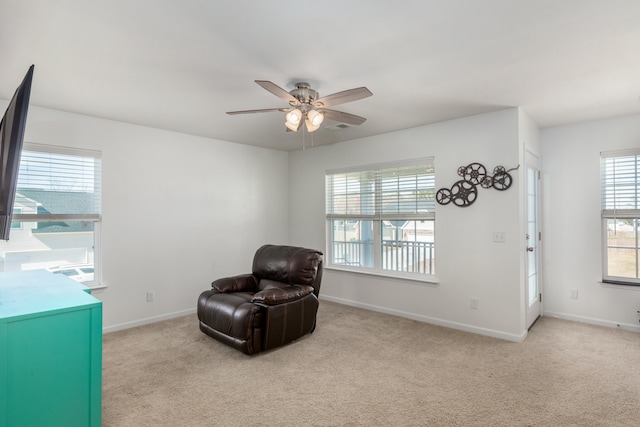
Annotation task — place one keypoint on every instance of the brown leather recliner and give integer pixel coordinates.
(273, 306)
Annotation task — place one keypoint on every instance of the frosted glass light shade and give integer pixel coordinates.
(294, 116)
(291, 126)
(315, 117)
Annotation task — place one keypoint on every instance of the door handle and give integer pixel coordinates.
(529, 249)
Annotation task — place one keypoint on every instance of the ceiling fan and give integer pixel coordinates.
(307, 106)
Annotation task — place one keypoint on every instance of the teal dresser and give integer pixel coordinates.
(50, 351)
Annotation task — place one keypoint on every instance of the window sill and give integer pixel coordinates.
(620, 284)
(95, 287)
(429, 281)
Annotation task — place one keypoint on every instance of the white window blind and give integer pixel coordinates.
(387, 191)
(620, 184)
(65, 183)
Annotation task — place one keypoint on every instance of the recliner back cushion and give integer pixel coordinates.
(287, 264)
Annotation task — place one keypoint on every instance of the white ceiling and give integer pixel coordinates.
(181, 64)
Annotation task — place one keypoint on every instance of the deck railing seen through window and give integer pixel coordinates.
(396, 255)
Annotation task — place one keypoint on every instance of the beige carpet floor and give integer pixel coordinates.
(361, 368)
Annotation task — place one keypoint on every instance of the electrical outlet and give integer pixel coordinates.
(499, 236)
(151, 296)
(574, 293)
(474, 303)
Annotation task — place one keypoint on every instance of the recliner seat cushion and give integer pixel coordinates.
(273, 294)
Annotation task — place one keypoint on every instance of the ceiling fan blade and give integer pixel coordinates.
(278, 91)
(342, 97)
(341, 116)
(264, 110)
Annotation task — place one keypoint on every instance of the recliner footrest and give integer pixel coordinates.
(287, 322)
(232, 319)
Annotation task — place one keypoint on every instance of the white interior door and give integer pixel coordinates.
(532, 240)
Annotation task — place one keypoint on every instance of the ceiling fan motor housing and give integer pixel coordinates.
(304, 93)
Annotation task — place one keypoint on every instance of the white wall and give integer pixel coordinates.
(571, 220)
(469, 264)
(529, 134)
(178, 211)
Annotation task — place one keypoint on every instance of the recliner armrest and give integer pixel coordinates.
(275, 296)
(241, 283)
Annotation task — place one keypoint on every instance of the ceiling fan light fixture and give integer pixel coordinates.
(315, 117)
(310, 126)
(292, 126)
(293, 117)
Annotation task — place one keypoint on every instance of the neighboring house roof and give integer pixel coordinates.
(61, 202)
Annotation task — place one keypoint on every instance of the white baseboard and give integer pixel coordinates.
(148, 320)
(592, 321)
(432, 320)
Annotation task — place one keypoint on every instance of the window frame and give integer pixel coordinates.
(609, 211)
(95, 217)
(376, 215)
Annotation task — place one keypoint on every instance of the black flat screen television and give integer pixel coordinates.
(11, 139)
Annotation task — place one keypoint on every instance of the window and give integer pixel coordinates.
(381, 218)
(14, 224)
(56, 214)
(620, 188)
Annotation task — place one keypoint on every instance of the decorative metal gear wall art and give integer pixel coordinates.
(464, 192)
